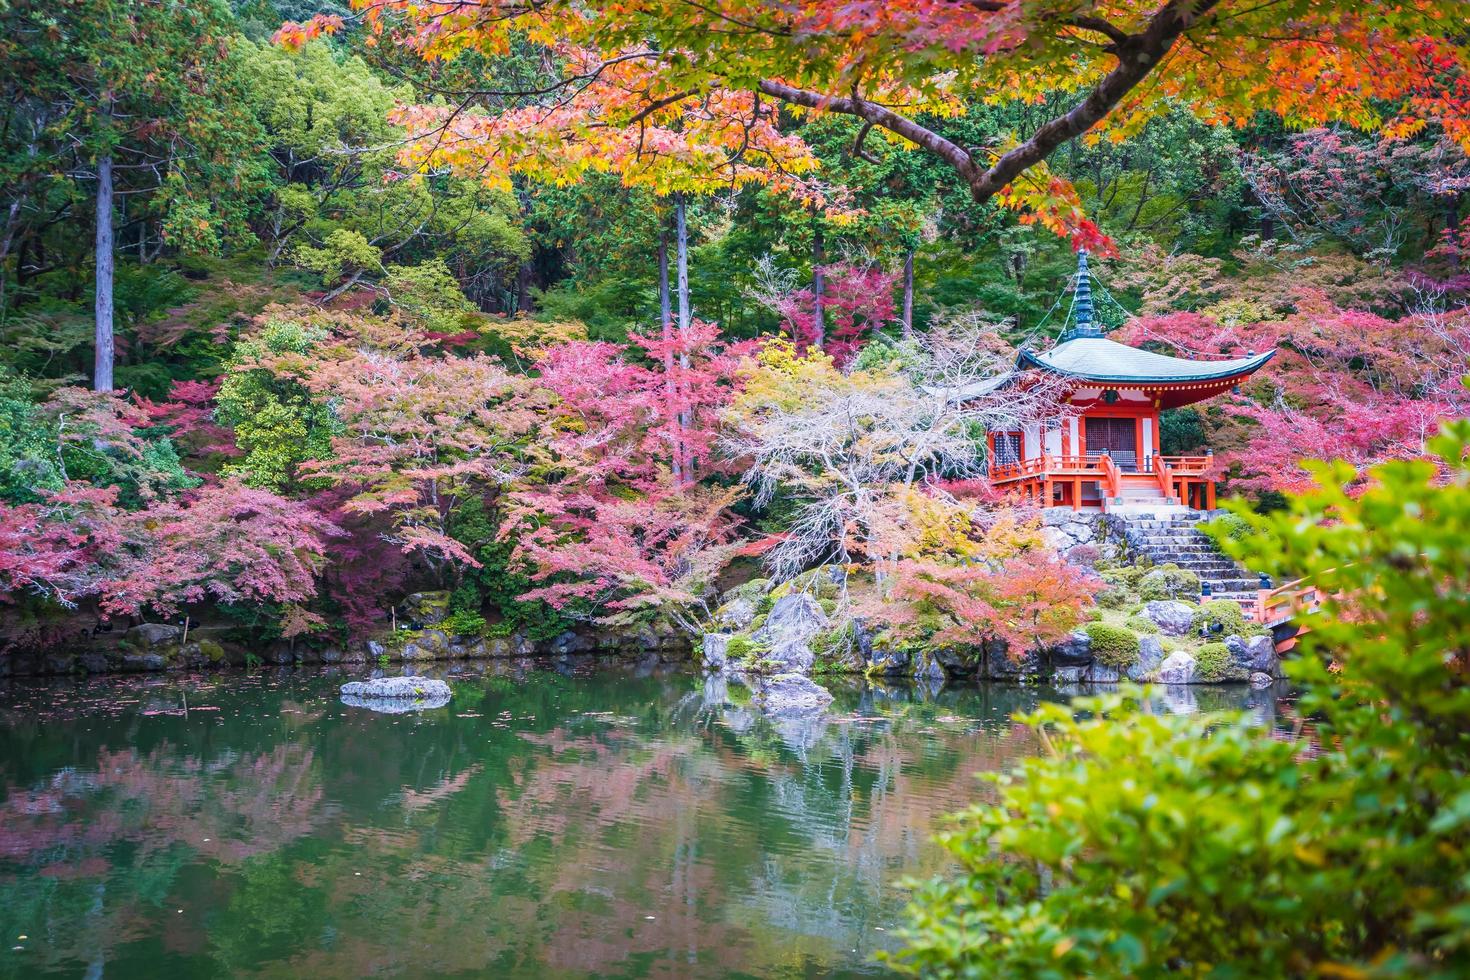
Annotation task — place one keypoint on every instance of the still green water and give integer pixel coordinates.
(598, 821)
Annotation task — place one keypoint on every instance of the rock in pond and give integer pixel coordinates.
(1178, 669)
(716, 650)
(791, 693)
(1253, 654)
(395, 695)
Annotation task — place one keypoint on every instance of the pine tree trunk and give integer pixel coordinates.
(908, 294)
(102, 371)
(819, 286)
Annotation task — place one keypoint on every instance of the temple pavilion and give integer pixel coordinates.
(1104, 453)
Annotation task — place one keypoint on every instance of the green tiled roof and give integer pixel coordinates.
(1099, 359)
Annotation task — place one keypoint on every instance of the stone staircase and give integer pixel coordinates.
(1170, 535)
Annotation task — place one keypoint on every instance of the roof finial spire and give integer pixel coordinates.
(1082, 323)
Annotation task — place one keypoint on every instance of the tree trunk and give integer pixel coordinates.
(524, 273)
(686, 316)
(908, 294)
(102, 371)
(666, 333)
(819, 286)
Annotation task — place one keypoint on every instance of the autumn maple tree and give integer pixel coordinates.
(689, 95)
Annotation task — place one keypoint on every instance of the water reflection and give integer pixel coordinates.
(546, 823)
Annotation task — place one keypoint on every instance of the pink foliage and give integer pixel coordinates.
(54, 548)
(189, 412)
(856, 302)
(1028, 600)
(229, 543)
(612, 525)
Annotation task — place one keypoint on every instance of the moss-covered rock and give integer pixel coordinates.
(211, 651)
(426, 608)
(1168, 582)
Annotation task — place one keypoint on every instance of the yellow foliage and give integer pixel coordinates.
(528, 338)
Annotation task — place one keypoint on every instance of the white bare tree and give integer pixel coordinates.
(857, 445)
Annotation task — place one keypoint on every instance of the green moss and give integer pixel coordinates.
(212, 651)
(1141, 624)
(1224, 617)
(1114, 597)
(1113, 646)
(741, 647)
(1168, 582)
(1211, 661)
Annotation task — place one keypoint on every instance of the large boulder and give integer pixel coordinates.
(1178, 668)
(1253, 654)
(1150, 657)
(790, 656)
(797, 616)
(1074, 651)
(148, 635)
(426, 608)
(147, 662)
(1000, 666)
(737, 614)
(1172, 617)
(427, 645)
(395, 695)
(716, 649)
(960, 661)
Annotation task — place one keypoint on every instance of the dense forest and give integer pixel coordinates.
(299, 319)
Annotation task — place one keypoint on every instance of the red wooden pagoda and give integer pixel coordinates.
(1105, 453)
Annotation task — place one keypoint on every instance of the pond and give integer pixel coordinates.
(587, 821)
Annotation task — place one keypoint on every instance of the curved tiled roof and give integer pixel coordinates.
(1099, 359)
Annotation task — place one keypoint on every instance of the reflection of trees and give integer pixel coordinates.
(527, 831)
(91, 853)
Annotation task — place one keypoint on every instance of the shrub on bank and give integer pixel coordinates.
(1211, 661)
(1113, 646)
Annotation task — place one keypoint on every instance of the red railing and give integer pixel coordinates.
(1285, 602)
(1112, 478)
(1164, 476)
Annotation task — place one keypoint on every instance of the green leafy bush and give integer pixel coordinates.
(1156, 845)
(464, 623)
(1211, 661)
(1227, 527)
(1113, 646)
(1113, 597)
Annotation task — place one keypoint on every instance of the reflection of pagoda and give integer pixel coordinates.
(1106, 455)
